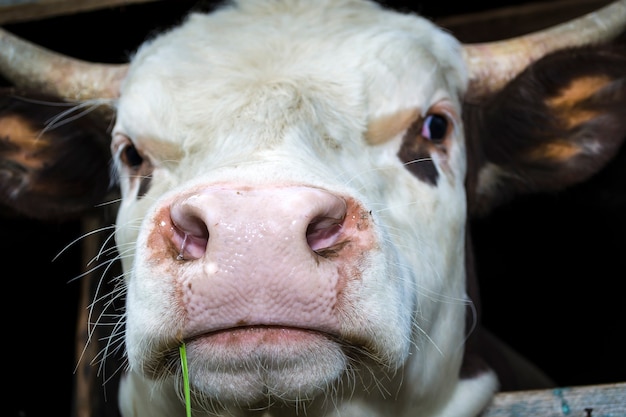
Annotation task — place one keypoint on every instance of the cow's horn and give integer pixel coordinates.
(492, 64)
(30, 66)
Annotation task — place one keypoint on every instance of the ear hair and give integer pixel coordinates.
(557, 124)
(53, 162)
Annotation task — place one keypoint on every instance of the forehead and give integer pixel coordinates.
(345, 60)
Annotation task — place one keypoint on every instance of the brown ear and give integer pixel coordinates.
(556, 124)
(52, 167)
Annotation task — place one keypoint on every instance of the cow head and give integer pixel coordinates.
(296, 179)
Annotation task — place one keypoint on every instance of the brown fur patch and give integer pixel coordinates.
(385, 128)
(565, 104)
(559, 151)
(416, 152)
(17, 130)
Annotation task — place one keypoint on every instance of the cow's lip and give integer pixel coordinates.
(247, 339)
(269, 333)
(236, 345)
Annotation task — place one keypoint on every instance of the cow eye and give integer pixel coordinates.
(435, 127)
(130, 156)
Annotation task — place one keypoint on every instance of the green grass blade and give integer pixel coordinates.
(183, 362)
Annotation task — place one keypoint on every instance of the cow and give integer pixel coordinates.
(296, 181)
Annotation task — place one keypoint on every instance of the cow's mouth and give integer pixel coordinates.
(278, 344)
(256, 335)
(251, 363)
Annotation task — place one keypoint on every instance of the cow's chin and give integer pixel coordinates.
(257, 365)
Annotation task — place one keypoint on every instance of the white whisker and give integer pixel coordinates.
(78, 239)
(73, 113)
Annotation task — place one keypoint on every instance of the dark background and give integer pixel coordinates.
(552, 267)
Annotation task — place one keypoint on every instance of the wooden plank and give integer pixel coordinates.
(586, 401)
(16, 11)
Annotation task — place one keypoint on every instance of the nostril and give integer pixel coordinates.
(242, 216)
(323, 234)
(191, 236)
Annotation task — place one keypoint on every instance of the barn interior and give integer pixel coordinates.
(552, 266)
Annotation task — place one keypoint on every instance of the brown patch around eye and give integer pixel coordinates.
(416, 153)
(144, 185)
(387, 127)
(565, 104)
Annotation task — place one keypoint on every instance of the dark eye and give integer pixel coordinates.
(435, 127)
(130, 157)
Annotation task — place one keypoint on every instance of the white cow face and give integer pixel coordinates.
(296, 178)
(293, 207)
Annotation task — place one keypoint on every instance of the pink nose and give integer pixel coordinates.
(274, 256)
(235, 217)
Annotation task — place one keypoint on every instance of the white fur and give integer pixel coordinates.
(280, 93)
